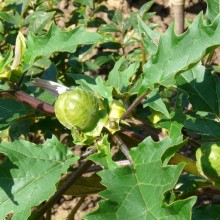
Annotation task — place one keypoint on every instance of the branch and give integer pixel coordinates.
(73, 212)
(120, 163)
(30, 101)
(153, 132)
(122, 146)
(136, 102)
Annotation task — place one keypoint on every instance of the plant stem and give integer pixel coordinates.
(31, 101)
(50, 4)
(96, 168)
(153, 132)
(48, 214)
(131, 134)
(58, 194)
(143, 57)
(178, 8)
(209, 59)
(71, 216)
(122, 146)
(135, 104)
(88, 153)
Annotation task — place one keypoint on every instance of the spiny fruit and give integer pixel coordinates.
(77, 109)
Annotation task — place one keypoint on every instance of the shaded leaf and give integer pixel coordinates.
(30, 172)
(19, 128)
(11, 110)
(84, 186)
(88, 3)
(206, 212)
(203, 89)
(203, 126)
(11, 17)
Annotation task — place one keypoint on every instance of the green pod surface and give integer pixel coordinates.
(77, 109)
(208, 161)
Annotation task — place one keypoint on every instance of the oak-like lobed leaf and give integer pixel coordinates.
(57, 40)
(138, 191)
(180, 53)
(30, 171)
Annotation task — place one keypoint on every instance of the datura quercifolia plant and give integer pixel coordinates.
(83, 111)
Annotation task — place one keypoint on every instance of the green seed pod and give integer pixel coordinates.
(208, 161)
(77, 109)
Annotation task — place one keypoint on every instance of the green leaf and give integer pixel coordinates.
(30, 172)
(11, 110)
(137, 192)
(189, 183)
(148, 37)
(104, 156)
(57, 40)
(206, 212)
(203, 89)
(108, 28)
(213, 10)
(88, 3)
(180, 53)
(5, 68)
(6, 60)
(24, 3)
(145, 8)
(117, 18)
(38, 20)
(203, 126)
(174, 126)
(121, 79)
(11, 17)
(155, 101)
(97, 85)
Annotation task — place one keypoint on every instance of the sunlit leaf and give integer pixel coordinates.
(57, 40)
(137, 192)
(179, 53)
(30, 172)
